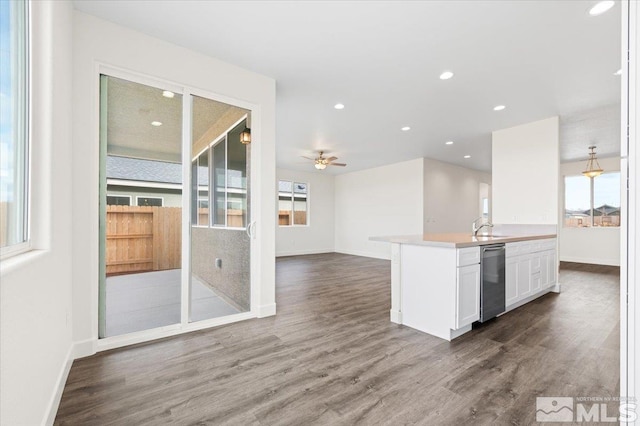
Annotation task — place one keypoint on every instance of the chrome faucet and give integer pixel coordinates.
(475, 228)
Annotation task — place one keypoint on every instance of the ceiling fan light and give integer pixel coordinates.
(320, 165)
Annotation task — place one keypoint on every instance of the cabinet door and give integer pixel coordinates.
(536, 272)
(553, 268)
(536, 282)
(468, 295)
(544, 270)
(524, 276)
(511, 281)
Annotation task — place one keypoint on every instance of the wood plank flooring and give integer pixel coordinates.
(331, 357)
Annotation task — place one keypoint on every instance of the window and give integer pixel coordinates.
(224, 165)
(292, 203)
(580, 200)
(149, 201)
(118, 200)
(14, 127)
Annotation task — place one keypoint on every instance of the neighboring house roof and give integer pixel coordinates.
(143, 170)
(603, 210)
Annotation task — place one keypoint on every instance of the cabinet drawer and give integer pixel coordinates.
(518, 248)
(468, 256)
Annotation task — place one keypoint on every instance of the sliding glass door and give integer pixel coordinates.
(143, 216)
(220, 243)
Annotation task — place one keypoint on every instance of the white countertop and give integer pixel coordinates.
(459, 240)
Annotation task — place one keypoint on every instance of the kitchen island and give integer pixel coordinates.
(435, 278)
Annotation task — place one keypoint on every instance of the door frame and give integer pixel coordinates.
(184, 326)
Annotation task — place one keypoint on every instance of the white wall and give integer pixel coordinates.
(99, 42)
(600, 245)
(451, 196)
(381, 201)
(318, 236)
(35, 288)
(525, 167)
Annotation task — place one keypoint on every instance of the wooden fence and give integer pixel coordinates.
(143, 239)
(284, 217)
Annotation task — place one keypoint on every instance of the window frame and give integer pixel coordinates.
(222, 139)
(293, 205)
(591, 218)
(121, 196)
(154, 198)
(26, 132)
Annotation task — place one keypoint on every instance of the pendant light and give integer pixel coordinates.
(593, 167)
(245, 136)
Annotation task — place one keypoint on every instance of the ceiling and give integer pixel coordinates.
(382, 59)
(132, 107)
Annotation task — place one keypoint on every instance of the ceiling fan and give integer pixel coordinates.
(322, 162)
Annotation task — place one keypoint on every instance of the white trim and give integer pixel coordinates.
(83, 348)
(143, 184)
(363, 254)
(121, 196)
(15, 249)
(187, 166)
(598, 261)
(151, 198)
(266, 310)
(628, 212)
(114, 342)
(303, 252)
(20, 260)
(54, 401)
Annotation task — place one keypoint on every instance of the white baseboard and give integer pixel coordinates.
(365, 254)
(84, 348)
(395, 316)
(54, 403)
(607, 262)
(302, 252)
(266, 310)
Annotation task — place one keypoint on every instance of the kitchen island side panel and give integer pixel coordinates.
(428, 283)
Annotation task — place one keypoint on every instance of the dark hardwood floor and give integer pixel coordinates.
(330, 356)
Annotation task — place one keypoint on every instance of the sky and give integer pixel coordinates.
(5, 102)
(606, 191)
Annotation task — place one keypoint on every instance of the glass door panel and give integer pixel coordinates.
(140, 207)
(220, 245)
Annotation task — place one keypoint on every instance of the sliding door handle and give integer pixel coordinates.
(249, 229)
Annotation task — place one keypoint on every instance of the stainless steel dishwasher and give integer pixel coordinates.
(492, 288)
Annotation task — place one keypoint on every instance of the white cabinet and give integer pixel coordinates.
(511, 281)
(531, 269)
(439, 289)
(524, 276)
(468, 295)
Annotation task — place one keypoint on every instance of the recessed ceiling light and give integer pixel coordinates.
(619, 72)
(338, 106)
(499, 107)
(467, 156)
(406, 128)
(601, 7)
(448, 143)
(446, 75)
(156, 123)
(168, 94)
